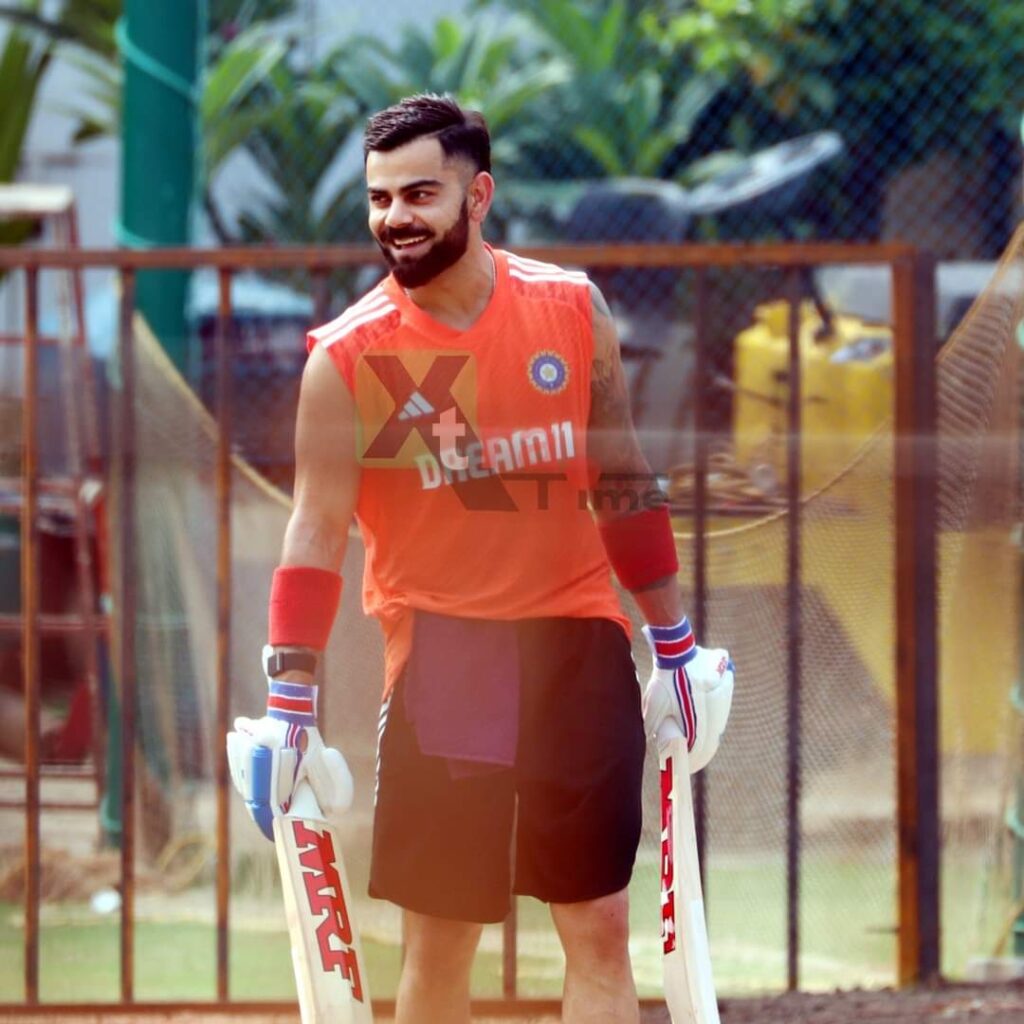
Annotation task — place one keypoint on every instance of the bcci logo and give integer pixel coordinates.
(549, 373)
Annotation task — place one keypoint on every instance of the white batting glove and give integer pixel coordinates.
(691, 685)
(269, 756)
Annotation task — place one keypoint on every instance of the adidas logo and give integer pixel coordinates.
(415, 407)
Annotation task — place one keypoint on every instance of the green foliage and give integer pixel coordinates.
(475, 59)
(229, 108)
(770, 43)
(227, 18)
(23, 63)
(903, 80)
(88, 24)
(296, 124)
(21, 69)
(914, 75)
(480, 61)
(626, 103)
(84, 28)
(572, 89)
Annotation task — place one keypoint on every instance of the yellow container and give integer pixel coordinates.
(846, 393)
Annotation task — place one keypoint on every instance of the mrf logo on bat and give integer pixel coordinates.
(668, 896)
(326, 901)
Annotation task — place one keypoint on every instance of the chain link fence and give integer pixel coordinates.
(635, 120)
(677, 121)
(691, 97)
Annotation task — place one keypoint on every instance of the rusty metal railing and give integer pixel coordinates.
(916, 657)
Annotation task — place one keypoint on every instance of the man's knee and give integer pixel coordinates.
(438, 947)
(594, 930)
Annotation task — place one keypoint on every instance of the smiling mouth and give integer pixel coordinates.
(408, 243)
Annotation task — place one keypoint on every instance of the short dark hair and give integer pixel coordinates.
(462, 133)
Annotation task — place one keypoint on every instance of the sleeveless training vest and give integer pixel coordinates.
(474, 485)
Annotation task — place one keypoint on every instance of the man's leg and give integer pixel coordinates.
(599, 986)
(434, 987)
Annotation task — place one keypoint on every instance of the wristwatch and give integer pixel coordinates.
(278, 660)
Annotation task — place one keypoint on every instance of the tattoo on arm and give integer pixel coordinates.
(612, 440)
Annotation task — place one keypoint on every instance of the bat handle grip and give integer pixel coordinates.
(304, 804)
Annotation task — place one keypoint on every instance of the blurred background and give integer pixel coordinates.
(239, 122)
(613, 120)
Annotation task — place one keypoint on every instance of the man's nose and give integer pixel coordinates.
(398, 214)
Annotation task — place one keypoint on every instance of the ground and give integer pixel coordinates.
(960, 1004)
(1002, 1004)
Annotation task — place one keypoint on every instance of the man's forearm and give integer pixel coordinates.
(312, 541)
(662, 603)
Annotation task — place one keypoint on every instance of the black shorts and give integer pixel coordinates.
(443, 845)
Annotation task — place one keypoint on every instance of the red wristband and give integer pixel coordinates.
(641, 547)
(303, 604)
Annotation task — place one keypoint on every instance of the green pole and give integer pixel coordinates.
(160, 45)
(160, 42)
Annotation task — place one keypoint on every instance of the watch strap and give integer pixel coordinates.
(277, 661)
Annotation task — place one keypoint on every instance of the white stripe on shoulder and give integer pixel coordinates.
(376, 313)
(528, 267)
(374, 295)
(372, 298)
(580, 280)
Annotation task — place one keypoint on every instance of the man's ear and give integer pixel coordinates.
(481, 195)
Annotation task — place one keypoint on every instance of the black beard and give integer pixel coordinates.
(444, 253)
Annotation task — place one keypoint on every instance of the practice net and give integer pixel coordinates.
(848, 911)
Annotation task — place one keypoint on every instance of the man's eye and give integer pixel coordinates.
(379, 200)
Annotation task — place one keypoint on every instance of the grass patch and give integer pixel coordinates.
(176, 960)
(847, 922)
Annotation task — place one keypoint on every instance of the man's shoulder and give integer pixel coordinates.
(547, 290)
(537, 277)
(372, 315)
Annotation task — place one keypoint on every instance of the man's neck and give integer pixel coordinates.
(459, 296)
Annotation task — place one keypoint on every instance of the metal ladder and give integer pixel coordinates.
(74, 494)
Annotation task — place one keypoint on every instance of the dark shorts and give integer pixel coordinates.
(563, 824)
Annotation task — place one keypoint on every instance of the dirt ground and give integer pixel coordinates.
(993, 1004)
(953, 1004)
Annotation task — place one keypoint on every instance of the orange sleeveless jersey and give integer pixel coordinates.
(489, 520)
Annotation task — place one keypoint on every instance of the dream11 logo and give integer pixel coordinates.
(417, 409)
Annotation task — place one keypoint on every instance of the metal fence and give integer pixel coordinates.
(913, 658)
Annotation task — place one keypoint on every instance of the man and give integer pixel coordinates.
(462, 411)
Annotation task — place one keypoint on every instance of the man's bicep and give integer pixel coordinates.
(326, 465)
(611, 440)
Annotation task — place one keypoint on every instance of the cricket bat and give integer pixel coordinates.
(689, 985)
(330, 972)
